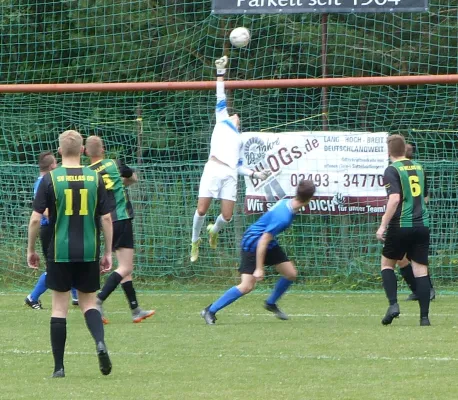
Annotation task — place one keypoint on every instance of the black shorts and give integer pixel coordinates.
(83, 276)
(413, 242)
(274, 256)
(123, 234)
(45, 239)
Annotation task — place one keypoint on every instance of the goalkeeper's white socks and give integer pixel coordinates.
(219, 224)
(197, 224)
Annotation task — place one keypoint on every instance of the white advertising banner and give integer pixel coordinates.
(346, 167)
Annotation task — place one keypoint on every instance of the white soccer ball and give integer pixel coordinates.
(240, 37)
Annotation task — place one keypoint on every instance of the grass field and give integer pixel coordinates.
(333, 347)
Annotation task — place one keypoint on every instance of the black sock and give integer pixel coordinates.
(423, 288)
(409, 278)
(129, 291)
(390, 285)
(111, 284)
(95, 325)
(430, 281)
(58, 339)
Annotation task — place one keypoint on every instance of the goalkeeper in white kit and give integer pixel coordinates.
(219, 179)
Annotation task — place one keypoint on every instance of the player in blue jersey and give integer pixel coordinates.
(46, 163)
(259, 248)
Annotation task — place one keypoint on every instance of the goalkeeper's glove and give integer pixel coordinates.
(263, 175)
(221, 66)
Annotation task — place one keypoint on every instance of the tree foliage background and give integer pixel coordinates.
(133, 41)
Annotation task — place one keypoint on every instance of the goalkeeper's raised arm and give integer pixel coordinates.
(221, 103)
(219, 179)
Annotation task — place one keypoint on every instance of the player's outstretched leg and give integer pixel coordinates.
(138, 315)
(33, 299)
(289, 272)
(270, 304)
(391, 289)
(234, 293)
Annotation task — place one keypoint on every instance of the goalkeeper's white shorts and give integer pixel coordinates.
(218, 181)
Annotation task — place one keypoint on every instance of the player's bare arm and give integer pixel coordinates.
(107, 227)
(131, 180)
(261, 175)
(391, 206)
(261, 251)
(33, 259)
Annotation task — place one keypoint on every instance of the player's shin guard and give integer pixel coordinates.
(197, 223)
(58, 328)
(409, 278)
(423, 289)
(220, 223)
(280, 288)
(111, 284)
(390, 285)
(227, 298)
(131, 296)
(95, 325)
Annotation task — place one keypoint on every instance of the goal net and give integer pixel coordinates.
(165, 134)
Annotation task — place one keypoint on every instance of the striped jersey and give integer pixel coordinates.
(276, 220)
(112, 172)
(407, 178)
(75, 198)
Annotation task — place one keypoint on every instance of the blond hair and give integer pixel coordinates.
(70, 143)
(94, 146)
(396, 146)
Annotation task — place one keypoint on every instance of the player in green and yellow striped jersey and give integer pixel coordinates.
(77, 204)
(117, 176)
(405, 228)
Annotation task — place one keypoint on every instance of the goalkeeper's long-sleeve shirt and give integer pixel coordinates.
(226, 142)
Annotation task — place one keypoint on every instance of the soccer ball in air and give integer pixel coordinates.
(240, 37)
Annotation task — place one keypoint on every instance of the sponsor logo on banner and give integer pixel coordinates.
(347, 169)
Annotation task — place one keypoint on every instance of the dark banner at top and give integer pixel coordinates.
(316, 6)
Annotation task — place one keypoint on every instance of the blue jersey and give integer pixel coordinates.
(44, 221)
(276, 220)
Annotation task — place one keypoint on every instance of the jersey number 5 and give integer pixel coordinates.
(69, 202)
(415, 187)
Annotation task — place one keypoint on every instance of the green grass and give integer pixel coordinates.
(333, 347)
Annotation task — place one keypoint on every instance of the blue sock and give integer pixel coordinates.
(39, 288)
(280, 288)
(74, 294)
(227, 298)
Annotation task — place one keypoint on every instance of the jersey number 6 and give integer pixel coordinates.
(415, 187)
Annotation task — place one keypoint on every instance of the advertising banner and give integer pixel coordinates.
(346, 167)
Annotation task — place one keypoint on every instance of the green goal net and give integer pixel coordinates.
(165, 135)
